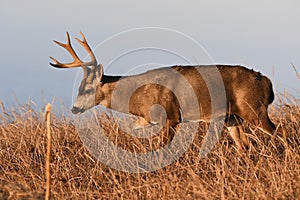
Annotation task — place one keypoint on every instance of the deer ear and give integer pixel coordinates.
(99, 72)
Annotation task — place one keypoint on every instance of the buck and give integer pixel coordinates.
(247, 94)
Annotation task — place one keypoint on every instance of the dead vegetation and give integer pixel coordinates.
(269, 169)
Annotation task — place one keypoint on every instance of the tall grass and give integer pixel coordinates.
(269, 169)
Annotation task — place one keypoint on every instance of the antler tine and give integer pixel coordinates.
(76, 63)
(57, 63)
(86, 46)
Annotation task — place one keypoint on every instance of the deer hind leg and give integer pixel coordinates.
(261, 121)
(266, 124)
(239, 137)
(235, 129)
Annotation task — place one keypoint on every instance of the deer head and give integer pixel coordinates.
(92, 75)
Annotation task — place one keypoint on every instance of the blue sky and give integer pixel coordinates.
(263, 35)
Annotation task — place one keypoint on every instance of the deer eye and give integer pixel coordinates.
(89, 91)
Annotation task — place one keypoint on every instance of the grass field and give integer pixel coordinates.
(270, 169)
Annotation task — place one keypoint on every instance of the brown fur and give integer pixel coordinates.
(248, 95)
(183, 93)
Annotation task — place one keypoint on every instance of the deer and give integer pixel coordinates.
(248, 94)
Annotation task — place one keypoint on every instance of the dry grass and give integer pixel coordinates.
(270, 169)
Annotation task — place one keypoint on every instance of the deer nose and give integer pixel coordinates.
(76, 110)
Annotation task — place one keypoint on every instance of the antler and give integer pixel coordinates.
(77, 62)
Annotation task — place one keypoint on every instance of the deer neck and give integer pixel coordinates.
(107, 86)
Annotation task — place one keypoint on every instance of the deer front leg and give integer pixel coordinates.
(140, 123)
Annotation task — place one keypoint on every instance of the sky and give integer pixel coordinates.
(263, 35)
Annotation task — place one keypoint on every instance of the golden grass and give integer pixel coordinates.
(269, 169)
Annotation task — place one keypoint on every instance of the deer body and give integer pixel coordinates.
(248, 94)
